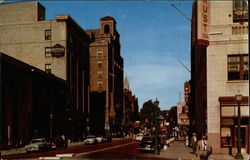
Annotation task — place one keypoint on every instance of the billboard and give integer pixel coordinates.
(182, 114)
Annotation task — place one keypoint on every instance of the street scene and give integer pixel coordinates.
(124, 80)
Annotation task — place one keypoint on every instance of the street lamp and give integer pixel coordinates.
(51, 120)
(156, 103)
(87, 128)
(238, 99)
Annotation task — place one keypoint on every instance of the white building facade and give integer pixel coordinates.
(222, 26)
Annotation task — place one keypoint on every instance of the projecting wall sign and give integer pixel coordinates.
(58, 51)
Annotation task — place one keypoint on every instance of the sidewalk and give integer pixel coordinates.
(226, 157)
(178, 151)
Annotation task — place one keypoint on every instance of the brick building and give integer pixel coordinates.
(106, 77)
(219, 65)
(131, 108)
(59, 47)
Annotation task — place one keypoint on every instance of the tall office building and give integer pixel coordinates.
(106, 77)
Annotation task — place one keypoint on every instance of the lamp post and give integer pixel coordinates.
(156, 103)
(50, 124)
(238, 99)
(87, 128)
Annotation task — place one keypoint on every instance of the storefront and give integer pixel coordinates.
(229, 114)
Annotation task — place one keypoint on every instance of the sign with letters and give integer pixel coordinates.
(182, 114)
(58, 51)
(202, 21)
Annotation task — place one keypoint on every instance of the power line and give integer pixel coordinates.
(184, 66)
(181, 12)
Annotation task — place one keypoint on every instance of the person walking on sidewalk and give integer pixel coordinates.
(203, 149)
(194, 142)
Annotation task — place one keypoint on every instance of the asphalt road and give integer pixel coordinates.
(117, 149)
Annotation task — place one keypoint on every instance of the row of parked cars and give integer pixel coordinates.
(42, 144)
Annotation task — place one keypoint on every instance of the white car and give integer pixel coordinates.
(100, 139)
(38, 145)
(139, 137)
(90, 140)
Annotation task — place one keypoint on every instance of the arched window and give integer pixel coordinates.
(106, 28)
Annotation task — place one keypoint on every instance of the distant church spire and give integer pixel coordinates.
(126, 83)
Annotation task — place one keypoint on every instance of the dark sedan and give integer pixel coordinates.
(148, 143)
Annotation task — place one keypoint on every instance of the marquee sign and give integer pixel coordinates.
(182, 114)
(58, 51)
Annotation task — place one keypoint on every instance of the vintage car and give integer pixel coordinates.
(100, 139)
(148, 143)
(90, 140)
(38, 145)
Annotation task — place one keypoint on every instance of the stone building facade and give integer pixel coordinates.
(59, 47)
(106, 75)
(219, 61)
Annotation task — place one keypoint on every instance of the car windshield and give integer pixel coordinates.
(36, 141)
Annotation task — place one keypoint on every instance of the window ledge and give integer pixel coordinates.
(238, 81)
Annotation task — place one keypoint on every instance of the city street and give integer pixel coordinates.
(118, 149)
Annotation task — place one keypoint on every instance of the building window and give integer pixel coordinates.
(238, 67)
(106, 29)
(47, 51)
(240, 11)
(48, 68)
(99, 64)
(99, 84)
(99, 74)
(48, 34)
(99, 54)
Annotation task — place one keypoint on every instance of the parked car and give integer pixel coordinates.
(38, 145)
(139, 137)
(90, 140)
(59, 142)
(100, 139)
(148, 143)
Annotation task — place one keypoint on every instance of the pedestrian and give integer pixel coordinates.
(194, 142)
(203, 149)
(186, 140)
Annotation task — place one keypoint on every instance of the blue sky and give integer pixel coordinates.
(153, 37)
